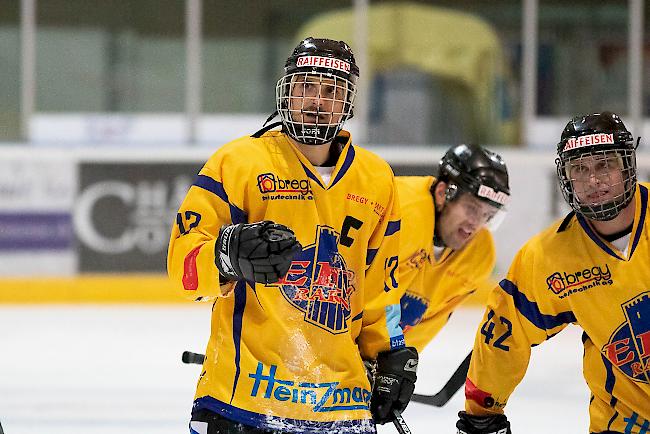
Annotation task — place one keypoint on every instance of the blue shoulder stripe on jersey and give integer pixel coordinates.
(595, 238)
(237, 318)
(345, 166)
(205, 182)
(531, 311)
(370, 256)
(269, 422)
(393, 227)
(311, 176)
(237, 215)
(213, 186)
(357, 317)
(639, 227)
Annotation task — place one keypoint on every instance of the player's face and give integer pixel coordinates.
(462, 218)
(317, 100)
(597, 178)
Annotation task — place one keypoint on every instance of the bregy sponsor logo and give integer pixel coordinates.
(591, 139)
(323, 397)
(565, 284)
(357, 198)
(324, 62)
(417, 259)
(285, 188)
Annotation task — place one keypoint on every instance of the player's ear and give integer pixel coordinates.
(439, 194)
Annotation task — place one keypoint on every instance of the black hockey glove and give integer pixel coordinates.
(258, 252)
(493, 424)
(395, 377)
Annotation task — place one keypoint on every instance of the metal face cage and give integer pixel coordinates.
(314, 106)
(599, 183)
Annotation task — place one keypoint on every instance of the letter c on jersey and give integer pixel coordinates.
(349, 222)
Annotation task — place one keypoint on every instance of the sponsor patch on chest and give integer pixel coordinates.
(564, 284)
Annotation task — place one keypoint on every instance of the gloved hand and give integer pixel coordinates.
(395, 377)
(258, 252)
(492, 424)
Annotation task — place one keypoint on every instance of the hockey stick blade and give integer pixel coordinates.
(449, 389)
(400, 423)
(192, 358)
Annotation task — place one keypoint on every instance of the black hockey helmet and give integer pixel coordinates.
(602, 137)
(329, 64)
(476, 170)
(338, 58)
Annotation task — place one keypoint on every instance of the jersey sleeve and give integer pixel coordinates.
(380, 330)
(515, 319)
(207, 206)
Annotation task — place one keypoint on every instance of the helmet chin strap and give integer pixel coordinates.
(437, 239)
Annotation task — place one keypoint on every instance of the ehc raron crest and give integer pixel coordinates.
(319, 283)
(629, 346)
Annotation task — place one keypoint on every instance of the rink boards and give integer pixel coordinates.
(92, 225)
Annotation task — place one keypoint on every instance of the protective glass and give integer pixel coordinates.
(481, 212)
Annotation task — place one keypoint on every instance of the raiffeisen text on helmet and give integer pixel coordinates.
(591, 139)
(323, 62)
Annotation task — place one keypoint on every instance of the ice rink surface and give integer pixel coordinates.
(117, 369)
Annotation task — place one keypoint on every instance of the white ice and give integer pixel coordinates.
(117, 369)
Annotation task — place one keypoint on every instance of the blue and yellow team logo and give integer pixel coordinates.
(629, 346)
(319, 283)
(413, 309)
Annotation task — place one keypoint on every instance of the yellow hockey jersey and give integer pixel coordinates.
(431, 289)
(568, 274)
(288, 356)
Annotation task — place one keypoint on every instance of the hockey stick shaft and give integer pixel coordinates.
(400, 423)
(449, 389)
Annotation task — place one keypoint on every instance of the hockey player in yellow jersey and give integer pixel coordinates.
(590, 269)
(294, 234)
(446, 248)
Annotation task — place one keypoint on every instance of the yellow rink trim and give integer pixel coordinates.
(130, 288)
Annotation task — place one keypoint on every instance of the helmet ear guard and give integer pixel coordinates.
(451, 192)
